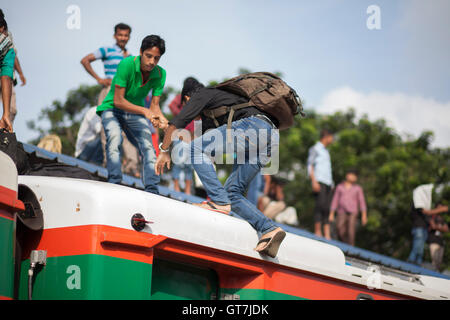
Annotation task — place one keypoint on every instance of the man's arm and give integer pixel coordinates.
(280, 193)
(362, 206)
(159, 119)
(334, 202)
(125, 105)
(315, 184)
(190, 111)
(86, 62)
(438, 226)
(437, 210)
(267, 181)
(310, 165)
(18, 68)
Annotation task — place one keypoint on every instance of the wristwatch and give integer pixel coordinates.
(161, 148)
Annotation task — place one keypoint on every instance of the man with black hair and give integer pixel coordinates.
(123, 109)
(251, 129)
(319, 170)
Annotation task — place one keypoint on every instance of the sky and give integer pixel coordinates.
(391, 63)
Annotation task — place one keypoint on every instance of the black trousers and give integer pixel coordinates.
(323, 202)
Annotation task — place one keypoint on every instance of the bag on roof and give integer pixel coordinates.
(14, 149)
(265, 91)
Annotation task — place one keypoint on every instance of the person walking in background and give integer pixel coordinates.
(421, 211)
(347, 201)
(319, 171)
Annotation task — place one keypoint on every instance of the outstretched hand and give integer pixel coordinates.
(157, 119)
(162, 161)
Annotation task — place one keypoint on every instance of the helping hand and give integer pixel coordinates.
(163, 160)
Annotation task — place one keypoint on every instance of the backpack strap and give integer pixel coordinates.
(221, 111)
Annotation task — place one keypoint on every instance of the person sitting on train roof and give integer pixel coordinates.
(124, 110)
(246, 126)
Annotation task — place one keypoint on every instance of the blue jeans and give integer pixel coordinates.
(182, 164)
(247, 136)
(420, 236)
(254, 189)
(92, 152)
(138, 133)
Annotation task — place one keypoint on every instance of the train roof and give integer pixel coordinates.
(355, 256)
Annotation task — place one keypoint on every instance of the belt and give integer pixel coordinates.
(265, 118)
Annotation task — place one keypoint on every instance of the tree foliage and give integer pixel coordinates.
(389, 169)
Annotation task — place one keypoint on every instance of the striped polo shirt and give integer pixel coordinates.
(111, 57)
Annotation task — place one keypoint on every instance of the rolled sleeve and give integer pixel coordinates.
(362, 201)
(336, 197)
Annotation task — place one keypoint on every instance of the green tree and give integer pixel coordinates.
(389, 169)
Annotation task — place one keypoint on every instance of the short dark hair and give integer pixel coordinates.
(153, 41)
(324, 133)
(190, 86)
(121, 26)
(352, 170)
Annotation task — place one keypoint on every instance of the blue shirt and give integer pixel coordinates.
(319, 159)
(111, 57)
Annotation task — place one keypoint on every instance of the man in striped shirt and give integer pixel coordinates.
(111, 57)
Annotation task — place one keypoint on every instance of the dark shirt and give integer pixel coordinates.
(419, 219)
(435, 236)
(211, 98)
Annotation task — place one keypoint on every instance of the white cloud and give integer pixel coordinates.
(405, 113)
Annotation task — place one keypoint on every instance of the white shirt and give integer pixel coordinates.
(90, 129)
(422, 196)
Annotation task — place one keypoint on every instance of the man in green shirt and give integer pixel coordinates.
(123, 110)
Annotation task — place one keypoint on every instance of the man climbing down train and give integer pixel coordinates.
(245, 114)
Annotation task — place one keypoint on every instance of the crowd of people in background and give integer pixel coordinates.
(121, 133)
